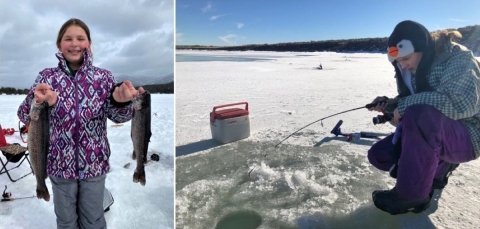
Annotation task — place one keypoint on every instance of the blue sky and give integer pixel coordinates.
(239, 22)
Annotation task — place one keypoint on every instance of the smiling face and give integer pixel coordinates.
(72, 44)
(410, 62)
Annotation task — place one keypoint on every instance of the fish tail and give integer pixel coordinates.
(139, 176)
(42, 193)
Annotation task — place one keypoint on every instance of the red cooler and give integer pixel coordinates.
(230, 124)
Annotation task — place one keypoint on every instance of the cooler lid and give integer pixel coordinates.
(228, 113)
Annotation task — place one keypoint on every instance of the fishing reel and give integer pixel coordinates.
(381, 119)
(6, 195)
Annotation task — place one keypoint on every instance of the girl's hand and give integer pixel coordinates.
(126, 92)
(381, 102)
(141, 90)
(43, 92)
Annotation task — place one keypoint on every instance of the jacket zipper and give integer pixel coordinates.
(77, 127)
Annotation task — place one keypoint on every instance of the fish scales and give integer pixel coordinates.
(141, 133)
(37, 144)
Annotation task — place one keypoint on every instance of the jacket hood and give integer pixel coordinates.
(87, 61)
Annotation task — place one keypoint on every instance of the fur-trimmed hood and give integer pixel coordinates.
(444, 41)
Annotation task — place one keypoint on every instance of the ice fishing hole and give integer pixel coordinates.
(244, 219)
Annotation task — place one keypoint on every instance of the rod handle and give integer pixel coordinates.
(370, 105)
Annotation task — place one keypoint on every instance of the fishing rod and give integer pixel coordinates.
(368, 106)
(20, 198)
(7, 196)
(320, 120)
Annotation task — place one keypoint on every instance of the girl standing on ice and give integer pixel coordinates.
(438, 113)
(81, 98)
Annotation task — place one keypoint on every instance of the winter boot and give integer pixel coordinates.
(389, 201)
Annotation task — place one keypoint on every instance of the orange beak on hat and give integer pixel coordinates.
(401, 49)
(393, 51)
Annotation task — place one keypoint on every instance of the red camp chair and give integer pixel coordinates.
(14, 153)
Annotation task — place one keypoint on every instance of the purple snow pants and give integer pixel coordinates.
(430, 140)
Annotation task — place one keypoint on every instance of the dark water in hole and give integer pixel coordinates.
(244, 219)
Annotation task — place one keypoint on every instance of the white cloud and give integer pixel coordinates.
(207, 7)
(147, 53)
(119, 38)
(227, 38)
(240, 25)
(215, 17)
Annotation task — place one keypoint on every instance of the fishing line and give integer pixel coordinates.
(319, 120)
(20, 198)
(7, 196)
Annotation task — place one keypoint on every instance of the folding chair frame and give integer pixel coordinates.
(5, 170)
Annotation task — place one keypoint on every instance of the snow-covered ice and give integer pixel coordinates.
(313, 179)
(135, 206)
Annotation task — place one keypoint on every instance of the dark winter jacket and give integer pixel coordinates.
(455, 82)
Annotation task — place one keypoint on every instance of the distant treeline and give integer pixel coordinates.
(152, 88)
(160, 88)
(13, 91)
(471, 39)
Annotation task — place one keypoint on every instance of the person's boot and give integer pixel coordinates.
(389, 201)
(441, 182)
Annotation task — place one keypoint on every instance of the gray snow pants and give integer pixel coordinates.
(79, 203)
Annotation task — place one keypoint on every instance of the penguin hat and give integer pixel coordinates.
(408, 37)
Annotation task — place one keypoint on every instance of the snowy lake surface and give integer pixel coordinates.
(312, 180)
(135, 206)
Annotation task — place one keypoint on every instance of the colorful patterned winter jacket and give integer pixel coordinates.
(455, 78)
(79, 147)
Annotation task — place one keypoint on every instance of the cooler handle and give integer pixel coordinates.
(212, 115)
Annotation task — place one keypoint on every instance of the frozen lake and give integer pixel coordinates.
(313, 179)
(135, 206)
